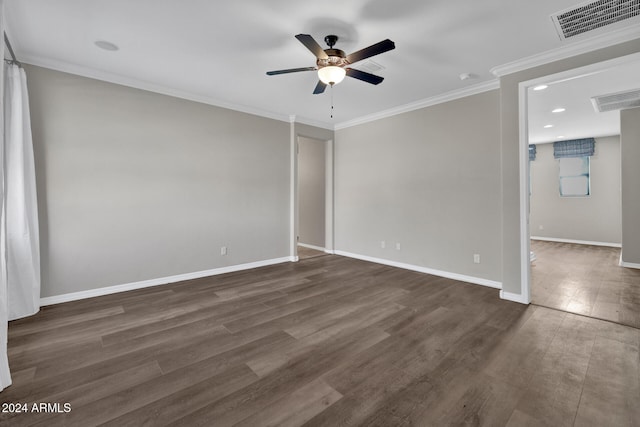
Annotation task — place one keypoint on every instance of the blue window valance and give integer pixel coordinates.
(532, 151)
(574, 148)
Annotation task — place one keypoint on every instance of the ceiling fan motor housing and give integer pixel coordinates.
(336, 58)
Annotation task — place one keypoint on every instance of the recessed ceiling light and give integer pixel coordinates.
(548, 126)
(540, 87)
(103, 44)
(560, 136)
(558, 110)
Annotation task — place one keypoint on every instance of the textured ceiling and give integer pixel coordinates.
(218, 51)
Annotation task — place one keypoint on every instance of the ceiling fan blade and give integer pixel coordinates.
(372, 50)
(290, 70)
(312, 45)
(320, 87)
(365, 77)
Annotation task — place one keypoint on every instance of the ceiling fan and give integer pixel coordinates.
(333, 64)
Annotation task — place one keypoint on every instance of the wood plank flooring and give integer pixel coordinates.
(304, 252)
(587, 280)
(327, 341)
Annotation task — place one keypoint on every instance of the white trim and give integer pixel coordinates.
(329, 196)
(628, 264)
(293, 189)
(577, 242)
(316, 248)
(514, 297)
(145, 85)
(428, 102)
(609, 38)
(160, 281)
(315, 123)
(523, 160)
(165, 90)
(448, 275)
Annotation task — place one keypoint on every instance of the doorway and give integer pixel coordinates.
(576, 265)
(314, 197)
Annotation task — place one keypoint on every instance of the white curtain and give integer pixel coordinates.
(21, 209)
(5, 375)
(19, 233)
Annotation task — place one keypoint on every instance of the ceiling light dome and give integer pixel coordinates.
(331, 74)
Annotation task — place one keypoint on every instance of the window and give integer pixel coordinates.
(574, 176)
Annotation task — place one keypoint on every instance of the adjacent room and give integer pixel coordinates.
(293, 213)
(575, 194)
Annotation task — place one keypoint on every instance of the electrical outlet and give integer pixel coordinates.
(476, 258)
(383, 244)
(223, 250)
(397, 246)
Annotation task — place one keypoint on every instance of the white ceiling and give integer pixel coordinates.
(218, 51)
(580, 119)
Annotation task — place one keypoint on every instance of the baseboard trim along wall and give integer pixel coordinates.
(448, 275)
(161, 281)
(513, 297)
(628, 264)
(317, 248)
(577, 242)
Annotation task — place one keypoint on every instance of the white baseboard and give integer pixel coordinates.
(513, 297)
(161, 281)
(628, 264)
(577, 242)
(448, 275)
(317, 248)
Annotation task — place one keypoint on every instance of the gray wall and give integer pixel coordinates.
(596, 218)
(134, 185)
(311, 191)
(509, 125)
(630, 148)
(302, 129)
(427, 179)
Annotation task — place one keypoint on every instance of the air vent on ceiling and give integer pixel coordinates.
(593, 15)
(372, 67)
(617, 101)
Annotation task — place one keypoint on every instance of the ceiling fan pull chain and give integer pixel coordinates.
(331, 90)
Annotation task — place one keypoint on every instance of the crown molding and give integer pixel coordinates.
(427, 102)
(576, 48)
(315, 123)
(147, 86)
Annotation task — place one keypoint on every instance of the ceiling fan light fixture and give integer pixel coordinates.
(331, 75)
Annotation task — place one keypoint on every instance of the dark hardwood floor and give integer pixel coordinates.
(587, 280)
(327, 341)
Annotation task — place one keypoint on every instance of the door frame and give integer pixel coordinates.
(329, 244)
(525, 232)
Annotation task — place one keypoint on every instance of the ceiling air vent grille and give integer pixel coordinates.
(594, 15)
(372, 67)
(617, 101)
